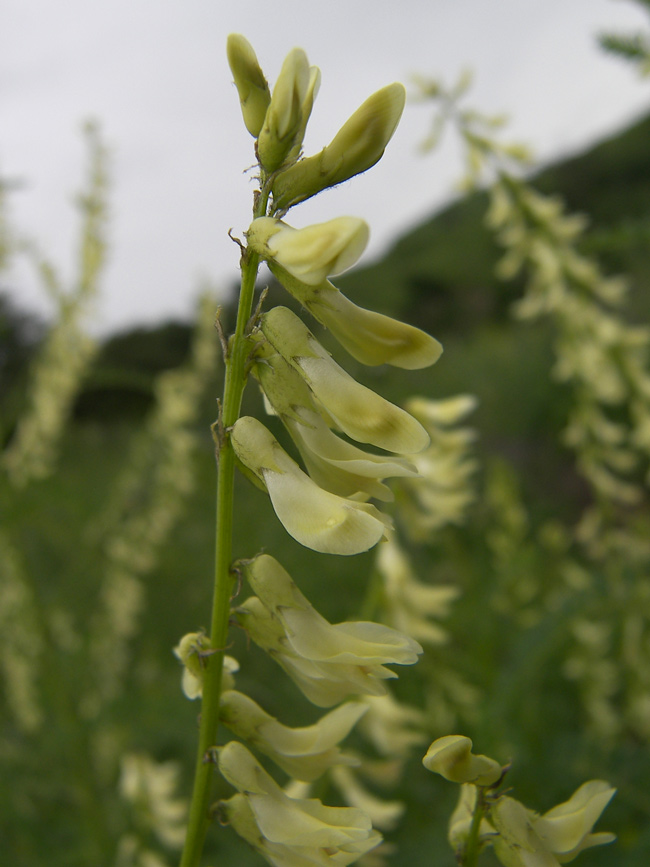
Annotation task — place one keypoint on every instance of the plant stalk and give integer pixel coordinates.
(473, 847)
(235, 381)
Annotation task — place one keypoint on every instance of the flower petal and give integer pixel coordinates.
(316, 518)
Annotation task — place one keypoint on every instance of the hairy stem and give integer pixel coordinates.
(235, 381)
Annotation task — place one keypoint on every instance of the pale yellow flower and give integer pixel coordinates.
(452, 758)
(314, 517)
(289, 832)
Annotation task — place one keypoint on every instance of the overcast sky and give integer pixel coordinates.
(154, 73)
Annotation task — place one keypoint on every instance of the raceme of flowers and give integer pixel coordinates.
(348, 441)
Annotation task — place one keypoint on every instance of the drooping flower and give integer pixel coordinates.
(304, 753)
(359, 412)
(328, 662)
(289, 832)
(368, 336)
(566, 829)
(333, 463)
(526, 839)
(314, 517)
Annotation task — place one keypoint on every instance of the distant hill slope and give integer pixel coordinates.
(441, 274)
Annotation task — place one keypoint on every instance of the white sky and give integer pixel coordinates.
(154, 73)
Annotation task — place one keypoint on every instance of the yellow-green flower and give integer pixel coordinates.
(314, 517)
(358, 411)
(289, 832)
(453, 759)
(313, 253)
(304, 753)
(328, 662)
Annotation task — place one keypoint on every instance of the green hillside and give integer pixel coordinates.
(441, 274)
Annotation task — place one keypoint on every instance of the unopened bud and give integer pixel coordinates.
(254, 93)
(358, 145)
(284, 116)
(452, 758)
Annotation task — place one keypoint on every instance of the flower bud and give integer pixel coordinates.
(313, 253)
(254, 94)
(284, 115)
(452, 758)
(192, 650)
(307, 105)
(358, 145)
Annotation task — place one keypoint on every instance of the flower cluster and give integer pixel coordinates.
(520, 837)
(323, 501)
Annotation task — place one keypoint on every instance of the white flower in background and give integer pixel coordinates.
(150, 788)
(392, 727)
(410, 605)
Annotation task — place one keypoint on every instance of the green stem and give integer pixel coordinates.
(235, 381)
(473, 847)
